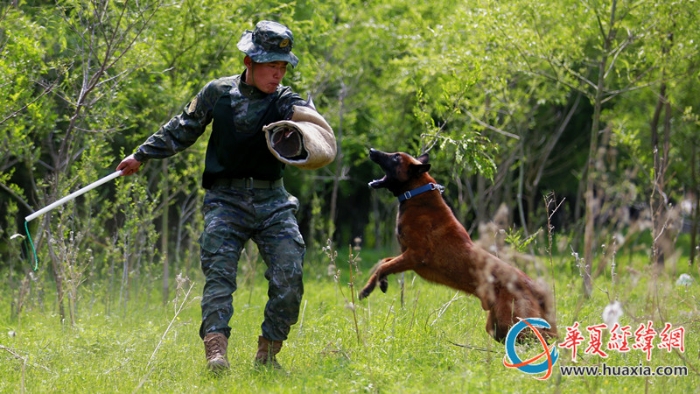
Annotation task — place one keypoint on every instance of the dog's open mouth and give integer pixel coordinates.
(377, 183)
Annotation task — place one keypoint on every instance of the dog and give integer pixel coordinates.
(437, 247)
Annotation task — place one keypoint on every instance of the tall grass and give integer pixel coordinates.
(436, 343)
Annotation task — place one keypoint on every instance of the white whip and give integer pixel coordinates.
(72, 196)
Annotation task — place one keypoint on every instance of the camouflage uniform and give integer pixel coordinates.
(260, 210)
(232, 216)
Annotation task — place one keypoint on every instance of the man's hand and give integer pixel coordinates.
(129, 166)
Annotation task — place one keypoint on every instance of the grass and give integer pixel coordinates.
(434, 343)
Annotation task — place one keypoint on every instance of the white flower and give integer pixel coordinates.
(612, 314)
(684, 280)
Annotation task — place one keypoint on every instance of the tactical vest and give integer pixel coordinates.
(237, 146)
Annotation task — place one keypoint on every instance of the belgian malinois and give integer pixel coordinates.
(437, 247)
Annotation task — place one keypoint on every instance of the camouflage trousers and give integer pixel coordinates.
(232, 216)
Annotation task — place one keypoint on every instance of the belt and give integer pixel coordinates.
(249, 183)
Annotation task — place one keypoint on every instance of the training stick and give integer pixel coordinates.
(72, 196)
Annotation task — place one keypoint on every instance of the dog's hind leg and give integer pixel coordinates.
(491, 324)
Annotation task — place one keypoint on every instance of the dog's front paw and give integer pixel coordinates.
(383, 284)
(364, 293)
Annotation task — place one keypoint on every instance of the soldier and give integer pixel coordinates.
(258, 126)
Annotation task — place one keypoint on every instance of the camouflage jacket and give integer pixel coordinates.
(237, 146)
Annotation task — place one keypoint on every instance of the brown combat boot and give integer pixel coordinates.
(267, 350)
(215, 344)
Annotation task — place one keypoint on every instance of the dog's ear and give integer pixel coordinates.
(424, 158)
(417, 169)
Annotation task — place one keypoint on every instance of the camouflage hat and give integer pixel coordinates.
(269, 42)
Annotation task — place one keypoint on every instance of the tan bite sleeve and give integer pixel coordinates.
(318, 140)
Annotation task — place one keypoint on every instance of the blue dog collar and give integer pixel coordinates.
(425, 188)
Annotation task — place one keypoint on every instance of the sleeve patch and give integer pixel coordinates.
(193, 106)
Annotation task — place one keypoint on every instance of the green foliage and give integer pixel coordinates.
(514, 238)
(499, 93)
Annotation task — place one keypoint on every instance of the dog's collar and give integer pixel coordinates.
(425, 188)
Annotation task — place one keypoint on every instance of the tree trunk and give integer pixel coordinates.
(520, 197)
(57, 271)
(481, 216)
(660, 152)
(338, 162)
(164, 232)
(589, 231)
(696, 197)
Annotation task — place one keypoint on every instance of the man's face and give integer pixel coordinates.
(267, 76)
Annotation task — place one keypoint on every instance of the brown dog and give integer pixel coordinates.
(436, 246)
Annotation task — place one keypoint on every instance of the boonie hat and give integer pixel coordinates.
(269, 42)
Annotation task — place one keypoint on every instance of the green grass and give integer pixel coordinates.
(412, 348)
